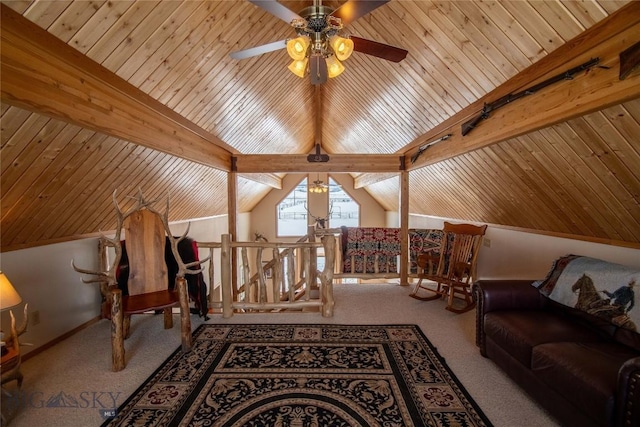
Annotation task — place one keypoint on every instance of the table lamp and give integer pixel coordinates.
(8, 297)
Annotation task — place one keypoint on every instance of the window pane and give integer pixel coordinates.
(292, 212)
(344, 210)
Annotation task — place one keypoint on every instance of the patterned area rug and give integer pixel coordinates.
(303, 375)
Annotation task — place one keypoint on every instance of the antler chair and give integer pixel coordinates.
(453, 269)
(145, 230)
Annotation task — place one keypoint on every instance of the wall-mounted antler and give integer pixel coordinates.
(321, 222)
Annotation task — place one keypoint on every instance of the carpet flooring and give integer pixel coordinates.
(303, 375)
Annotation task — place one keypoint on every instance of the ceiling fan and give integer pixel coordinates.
(321, 45)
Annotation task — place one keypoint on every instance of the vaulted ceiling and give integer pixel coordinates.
(105, 95)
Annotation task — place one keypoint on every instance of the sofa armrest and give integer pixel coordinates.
(509, 295)
(628, 394)
(494, 295)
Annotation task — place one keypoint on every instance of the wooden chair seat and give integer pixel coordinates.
(135, 304)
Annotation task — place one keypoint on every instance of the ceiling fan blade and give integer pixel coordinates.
(354, 9)
(380, 50)
(276, 9)
(258, 50)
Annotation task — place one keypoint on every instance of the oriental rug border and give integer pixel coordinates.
(306, 375)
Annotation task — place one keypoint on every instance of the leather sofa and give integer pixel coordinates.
(584, 370)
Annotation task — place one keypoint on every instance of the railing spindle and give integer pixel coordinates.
(225, 276)
(246, 275)
(291, 275)
(212, 276)
(262, 285)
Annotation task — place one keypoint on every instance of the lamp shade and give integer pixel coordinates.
(8, 295)
(297, 48)
(299, 67)
(334, 67)
(343, 48)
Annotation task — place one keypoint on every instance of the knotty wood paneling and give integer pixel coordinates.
(577, 178)
(57, 181)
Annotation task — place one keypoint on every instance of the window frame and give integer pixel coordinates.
(329, 179)
(303, 182)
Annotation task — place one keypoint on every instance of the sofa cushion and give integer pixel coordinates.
(517, 332)
(585, 373)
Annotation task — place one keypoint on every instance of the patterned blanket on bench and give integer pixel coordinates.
(361, 246)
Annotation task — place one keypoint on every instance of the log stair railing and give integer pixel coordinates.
(293, 284)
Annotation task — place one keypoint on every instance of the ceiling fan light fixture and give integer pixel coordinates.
(318, 187)
(334, 67)
(320, 38)
(297, 48)
(342, 47)
(299, 67)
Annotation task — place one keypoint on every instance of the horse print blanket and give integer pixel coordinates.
(598, 287)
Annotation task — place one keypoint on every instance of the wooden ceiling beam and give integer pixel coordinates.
(297, 163)
(588, 92)
(268, 179)
(41, 73)
(367, 179)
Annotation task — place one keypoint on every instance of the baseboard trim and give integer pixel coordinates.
(61, 338)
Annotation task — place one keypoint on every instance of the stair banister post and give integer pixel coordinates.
(329, 244)
(225, 276)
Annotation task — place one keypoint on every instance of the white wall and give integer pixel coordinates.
(516, 254)
(371, 213)
(45, 280)
(392, 219)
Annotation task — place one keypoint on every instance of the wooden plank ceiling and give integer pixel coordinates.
(580, 177)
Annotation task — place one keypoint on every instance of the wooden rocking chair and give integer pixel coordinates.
(145, 231)
(453, 270)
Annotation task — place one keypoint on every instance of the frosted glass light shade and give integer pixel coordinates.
(343, 48)
(334, 67)
(297, 48)
(8, 295)
(299, 67)
(317, 189)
